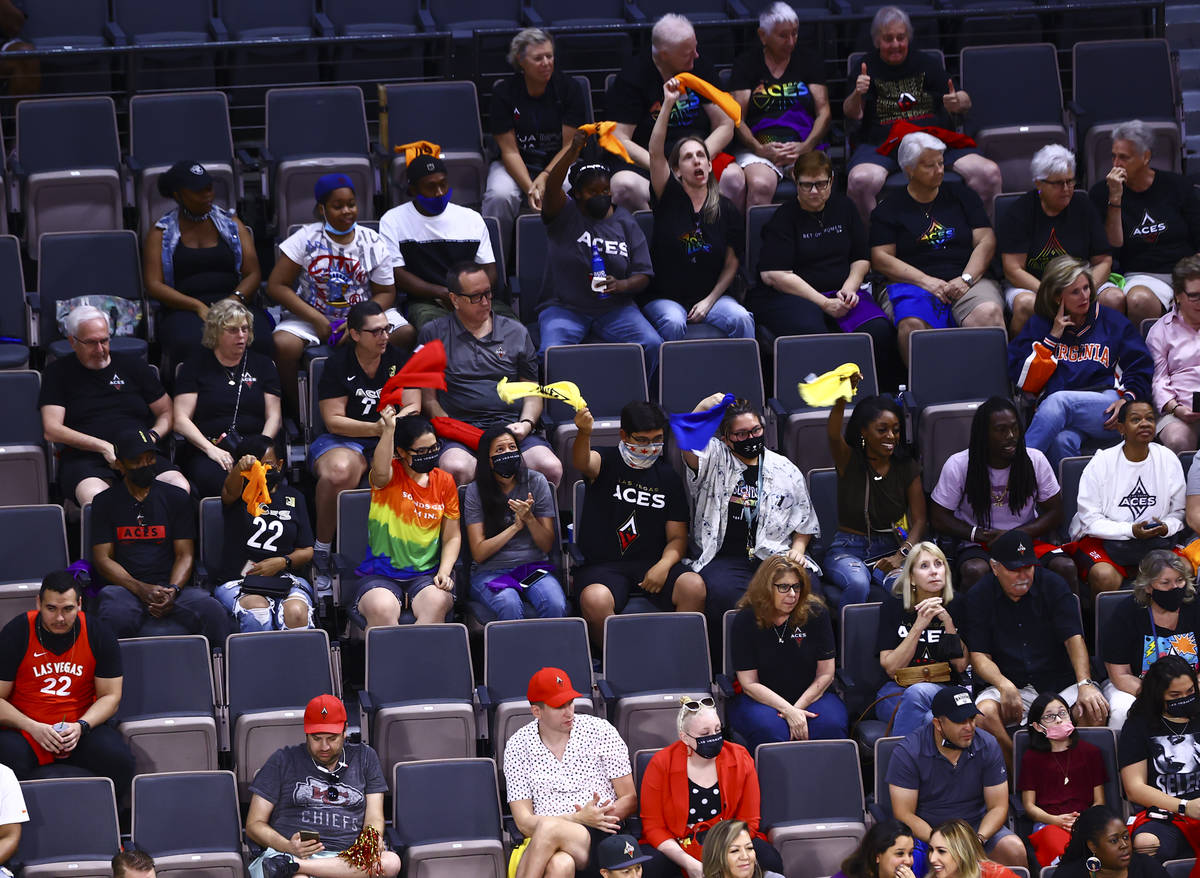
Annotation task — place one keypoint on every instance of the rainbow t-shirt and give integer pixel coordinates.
(404, 524)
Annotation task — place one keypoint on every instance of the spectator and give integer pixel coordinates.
(933, 241)
(223, 394)
(1192, 505)
(918, 628)
(730, 853)
(1102, 834)
(93, 396)
(813, 267)
(511, 528)
(413, 533)
(994, 485)
(324, 785)
(59, 709)
(348, 398)
(784, 101)
(483, 347)
(785, 694)
(535, 112)
(274, 544)
(620, 856)
(1054, 807)
(734, 479)
(1026, 637)
(637, 520)
(1161, 617)
(199, 254)
(698, 237)
(1131, 500)
(144, 547)
(1152, 219)
(337, 264)
(956, 851)
(693, 784)
(1174, 343)
(133, 864)
(1052, 220)
(569, 782)
(12, 814)
(894, 84)
(1157, 754)
(878, 474)
(1082, 361)
(950, 769)
(586, 231)
(634, 100)
(429, 234)
(886, 851)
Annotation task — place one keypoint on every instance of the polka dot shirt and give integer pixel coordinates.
(704, 803)
(594, 757)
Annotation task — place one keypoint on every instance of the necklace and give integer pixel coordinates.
(194, 217)
(1066, 770)
(780, 630)
(1173, 734)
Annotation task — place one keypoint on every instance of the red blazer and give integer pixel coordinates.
(664, 797)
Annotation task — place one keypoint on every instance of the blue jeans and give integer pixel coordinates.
(913, 711)
(561, 325)
(195, 612)
(1065, 418)
(760, 723)
(670, 318)
(270, 617)
(848, 574)
(545, 597)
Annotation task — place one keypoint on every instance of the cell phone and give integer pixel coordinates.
(309, 835)
(533, 577)
(1196, 401)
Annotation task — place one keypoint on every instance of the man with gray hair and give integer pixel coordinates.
(93, 396)
(635, 97)
(892, 84)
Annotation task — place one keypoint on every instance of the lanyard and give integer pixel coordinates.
(752, 511)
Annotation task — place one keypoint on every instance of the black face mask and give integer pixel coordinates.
(424, 461)
(708, 746)
(142, 476)
(751, 446)
(275, 478)
(597, 206)
(1170, 600)
(950, 745)
(506, 463)
(1184, 708)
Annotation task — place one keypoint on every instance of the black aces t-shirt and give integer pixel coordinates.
(626, 510)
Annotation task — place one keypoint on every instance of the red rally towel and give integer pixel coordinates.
(425, 368)
(902, 127)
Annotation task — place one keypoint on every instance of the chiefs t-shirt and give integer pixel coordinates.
(626, 510)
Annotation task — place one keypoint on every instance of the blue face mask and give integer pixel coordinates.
(330, 230)
(433, 206)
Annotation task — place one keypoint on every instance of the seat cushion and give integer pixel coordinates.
(13, 356)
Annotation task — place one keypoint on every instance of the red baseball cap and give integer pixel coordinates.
(325, 715)
(552, 687)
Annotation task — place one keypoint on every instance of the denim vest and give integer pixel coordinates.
(226, 227)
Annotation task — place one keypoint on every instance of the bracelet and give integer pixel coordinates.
(526, 421)
(240, 297)
(1115, 204)
(973, 529)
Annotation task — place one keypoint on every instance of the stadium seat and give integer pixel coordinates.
(311, 421)
(802, 434)
(822, 490)
(498, 250)
(942, 404)
(881, 807)
(446, 113)
(24, 479)
(650, 660)
(68, 162)
(378, 59)
(167, 712)
(188, 821)
(88, 806)
(1103, 738)
(33, 542)
(281, 57)
(270, 678)
(70, 24)
(427, 710)
(513, 651)
(859, 669)
(453, 827)
(352, 509)
(185, 24)
(14, 310)
(813, 807)
(461, 17)
(1009, 132)
(300, 152)
(531, 248)
(1104, 608)
(165, 129)
(691, 370)
(756, 219)
(1175, 868)
(210, 543)
(1070, 470)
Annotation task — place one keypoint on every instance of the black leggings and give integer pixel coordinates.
(102, 751)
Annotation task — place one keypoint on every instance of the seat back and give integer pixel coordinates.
(352, 507)
(436, 660)
(810, 780)
(459, 800)
(446, 113)
(265, 16)
(212, 537)
(609, 377)
(640, 760)
(276, 670)
(88, 806)
(884, 747)
(1104, 739)
(166, 677)
(983, 69)
(1104, 95)
(514, 650)
(186, 812)
(33, 541)
(861, 671)
(78, 263)
(1105, 608)
(67, 134)
(1070, 471)
(14, 322)
(1175, 868)
(756, 219)
(981, 352)
(180, 19)
(822, 491)
(531, 248)
(650, 652)
(690, 370)
(63, 23)
(353, 16)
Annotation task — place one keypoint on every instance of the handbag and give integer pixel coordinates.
(937, 672)
(273, 587)
(231, 438)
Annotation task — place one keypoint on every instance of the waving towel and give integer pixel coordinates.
(563, 391)
(693, 430)
(418, 147)
(722, 99)
(825, 390)
(608, 140)
(457, 431)
(425, 368)
(902, 127)
(255, 493)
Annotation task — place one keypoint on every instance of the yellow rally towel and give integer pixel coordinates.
(563, 391)
(827, 389)
(722, 99)
(608, 140)
(255, 493)
(418, 147)
(514, 859)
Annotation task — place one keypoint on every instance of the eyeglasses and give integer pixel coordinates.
(814, 185)
(94, 342)
(380, 332)
(695, 706)
(785, 587)
(1054, 718)
(474, 298)
(1061, 184)
(746, 434)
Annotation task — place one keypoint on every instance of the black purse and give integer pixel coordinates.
(273, 587)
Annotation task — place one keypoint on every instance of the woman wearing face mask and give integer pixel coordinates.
(597, 261)
(731, 853)
(324, 269)
(1061, 776)
(413, 533)
(692, 785)
(1101, 836)
(277, 543)
(1160, 618)
(955, 852)
(510, 529)
(1160, 760)
(886, 851)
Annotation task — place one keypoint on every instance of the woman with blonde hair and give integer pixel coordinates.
(729, 853)
(783, 653)
(954, 851)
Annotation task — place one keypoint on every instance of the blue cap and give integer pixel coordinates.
(328, 183)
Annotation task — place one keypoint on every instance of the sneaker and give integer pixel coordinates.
(279, 866)
(322, 580)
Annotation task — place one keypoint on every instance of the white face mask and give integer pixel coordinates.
(640, 456)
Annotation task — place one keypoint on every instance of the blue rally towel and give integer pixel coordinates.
(693, 430)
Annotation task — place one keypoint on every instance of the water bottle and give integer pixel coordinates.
(599, 275)
(61, 727)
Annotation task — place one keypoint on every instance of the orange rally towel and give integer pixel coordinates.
(418, 147)
(425, 368)
(608, 140)
(255, 493)
(722, 99)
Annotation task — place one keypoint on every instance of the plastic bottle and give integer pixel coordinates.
(599, 275)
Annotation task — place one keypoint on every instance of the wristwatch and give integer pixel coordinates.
(84, 728)
(1182, 809)
(287, 562)
(966, 278)
(1088, 682)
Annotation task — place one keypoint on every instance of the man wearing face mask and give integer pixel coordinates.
(143, 544)
(264, 554)
(428, 235)
(633, 535)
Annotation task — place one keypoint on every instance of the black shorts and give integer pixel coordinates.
(622, 578)
(969, 551)
(74, 468)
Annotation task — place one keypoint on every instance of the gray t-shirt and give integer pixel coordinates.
(1193, 478)
(521, 549)
(568, 277)
(305, 797)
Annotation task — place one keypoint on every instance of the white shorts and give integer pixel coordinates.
(749, 158)
(1028, 695)
(302, 329)
(1159, 284)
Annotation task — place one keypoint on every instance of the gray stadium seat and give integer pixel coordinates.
(690, 370)
(88, 806)
(822, 490)
(189, 822)
(33, 542)
(1103, 738)
(24, 479)
(1070, 470)
(184, 25)
(531, 247)
(352, 509)
(14, 310)
(884, 747)
(861, 673)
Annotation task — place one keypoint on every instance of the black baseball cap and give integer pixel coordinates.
(619, 852)
(1013, 549)
(955, 704)
(134, 443)
(187, 174)
(424, 165)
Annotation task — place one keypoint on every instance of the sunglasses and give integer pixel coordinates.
(695, 706)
